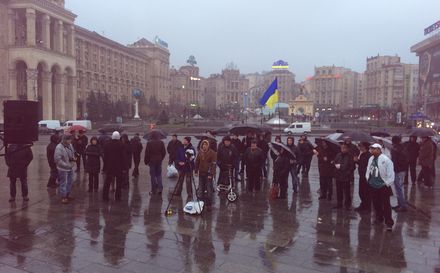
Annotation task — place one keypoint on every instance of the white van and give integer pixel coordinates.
(299, 128)
(84, 123)
(49, 124)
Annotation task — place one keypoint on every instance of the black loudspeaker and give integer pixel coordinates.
(21, 121)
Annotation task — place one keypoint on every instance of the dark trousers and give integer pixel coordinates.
(24, 186)
(78, 162)
(364, 193)
(343, 193)
(307, 161)
(253, 178)
(326, 184)
(187, 178)
(125, 179)
(206, 189)
(381, 203)
(411, 171)
(136, 161)
(236, 168)
(426, 176)
(53, 178)
(283, 181)
(109, 178)
(265, 168)
(93, 181)
(156, 177)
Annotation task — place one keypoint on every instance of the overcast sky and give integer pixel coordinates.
(255, 33)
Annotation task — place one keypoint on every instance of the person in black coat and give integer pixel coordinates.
(113, 166)
(264, 146)
(326, 169)
(246, 141)
(305, 148)
(275, 150)
(18, 157)
(50, 151)
(412, 148)
(344, 165)
(79, 144)
(227, 156)
(364, 191)
(154, 155)
(293, 158)
(281, 168)
(136, 149)
(93, 163)
(126, 166)
(172, 149)
(240, 149)
(254, 159)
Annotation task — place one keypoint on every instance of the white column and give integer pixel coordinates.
(46, 31)
(62, 99)
(30, 27)
(47, 95)
(136, 109)
(71, 40)
(58, 36)
(13, 84)
(11, 26)
(32, 77)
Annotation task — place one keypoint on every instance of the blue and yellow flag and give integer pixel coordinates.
(270, 97)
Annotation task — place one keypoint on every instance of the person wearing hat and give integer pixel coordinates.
(400, 160)
(344, 171)
(65, 161)
(380, 177)
(172, 149)
(113, 166)
(227, 156)
(205, 167)
(185, 165)
(93, 163)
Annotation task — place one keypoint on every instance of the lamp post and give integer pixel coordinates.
(136, 95)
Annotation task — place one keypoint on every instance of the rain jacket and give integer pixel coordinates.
(64, 157)
(386, 169)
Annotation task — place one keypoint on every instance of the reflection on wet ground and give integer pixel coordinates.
(254, 234)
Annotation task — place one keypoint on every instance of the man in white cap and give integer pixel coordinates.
(113, 164)
(380, 177)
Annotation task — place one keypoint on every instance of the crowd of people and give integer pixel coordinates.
(245, 161)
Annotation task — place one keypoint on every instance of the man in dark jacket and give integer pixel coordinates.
(264, 146)
(136, 149)
(172, 149)
(364, 188)
(412, 148)
(400, 162)
(306, 150)
(326, 169)
(293, 159)
(127, 161)
(344, 165)
(240, 149)
(246, 141)
(79, 144)
(281, 168)
(154, 155)
(50, 152)
(254, 160)
(426, 161)
(113, 166)
(185, 165)
(93, 163)
(18, 157)
(226, 158)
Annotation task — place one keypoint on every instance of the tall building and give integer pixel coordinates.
(332, 88)
(358, 90)
(256, 88)
(44, 57)
(230, 88)
(428, 52)
(187, 87)
(286, 83)
(411, 89)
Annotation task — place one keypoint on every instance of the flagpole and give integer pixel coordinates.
(279, 117)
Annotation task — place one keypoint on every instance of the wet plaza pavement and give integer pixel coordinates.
(254, 234)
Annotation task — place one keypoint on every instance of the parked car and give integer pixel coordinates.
(84, 123)
(298, 128)
(49, 124)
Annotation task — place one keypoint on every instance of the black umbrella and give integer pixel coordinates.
(253, 128)
(357, 136)
(380, 134)
(204, 136)
(155, 134)
(222, 131)
(334, 146)
(111, 129)
(283, 146)
(422, 132)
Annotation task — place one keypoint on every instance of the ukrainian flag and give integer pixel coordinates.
(270, 97)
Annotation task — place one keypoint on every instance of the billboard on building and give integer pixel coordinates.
(430, 65)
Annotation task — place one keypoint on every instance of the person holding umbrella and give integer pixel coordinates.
(364, 189)
(326, 169)
(253, 161)
(240, 149)
(306, 150)
(344, 172)
(264, 146)
(154, 155)
(380, 177)
(426, 161)
(80, 142)
(136, 149)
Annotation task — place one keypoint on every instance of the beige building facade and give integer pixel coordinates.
(187, 87)
(45, 57)
(230, 88)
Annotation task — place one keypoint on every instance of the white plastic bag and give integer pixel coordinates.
(172, 171)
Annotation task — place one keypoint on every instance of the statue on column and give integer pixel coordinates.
(136, 95)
